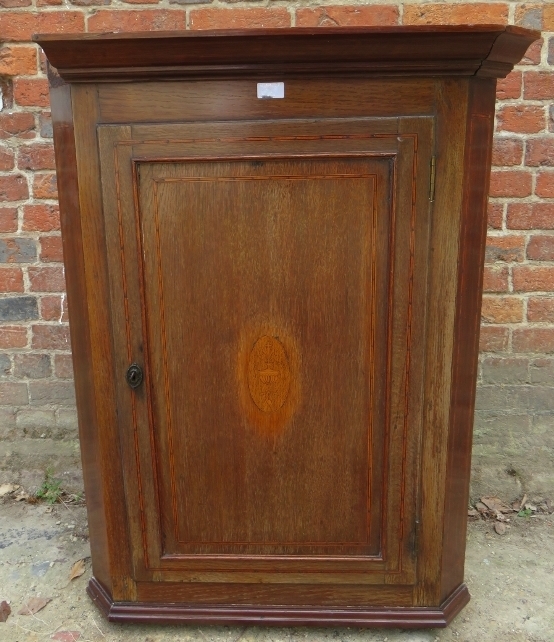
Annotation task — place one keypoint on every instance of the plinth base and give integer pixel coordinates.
(394, 617)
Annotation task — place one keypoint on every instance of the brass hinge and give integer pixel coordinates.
(432, 179)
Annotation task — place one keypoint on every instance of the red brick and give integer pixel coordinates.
(15, 4)
(548, 17)
(43, 62)
(13, 394)
(545, 184)
(540, 151)
(50, 337)
(11, 280)
(47, 279)
(259, 17)
(31, 92)
(523, 119)
(533, 54)
(342, 15)
(6, 159)
(530, 216)
(41, 218)
(495, 279)
(13, 188)
(20, 26)
(512, 183)
(533, 340)
(45, 186)
(541, 248)
(8, 219)
(507, 151)
(63, 365)
(502, 309)
(540, 309)
(54, 308)
(45, 122)
(143, 20)
(493, 339)
(509, 87)
(51, 249)
(18, 250)
(13, 336)
(36, 157)
(538, 85)
(140, 1)
(18, 124)
(18, 61)
(529, 15)
(51, 308)
(48, 3)
(505, 248)
(90, 3)
(494, 215)
(448, 13)
(528, 278)
(32, 366)
(6, 87)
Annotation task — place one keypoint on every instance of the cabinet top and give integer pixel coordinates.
(465, 50)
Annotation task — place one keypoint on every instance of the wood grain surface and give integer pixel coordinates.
(299, 281)
(449, 50)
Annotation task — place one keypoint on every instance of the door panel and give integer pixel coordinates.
(259, 282)
(267, 290)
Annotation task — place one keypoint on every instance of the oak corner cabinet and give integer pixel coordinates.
(274, 252)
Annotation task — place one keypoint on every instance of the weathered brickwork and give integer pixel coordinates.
(514, 429)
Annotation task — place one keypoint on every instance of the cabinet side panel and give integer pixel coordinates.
(473, 235)
(100, 363)
(66, 167)
(451, 106)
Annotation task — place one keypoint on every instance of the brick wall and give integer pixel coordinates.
(514, 436)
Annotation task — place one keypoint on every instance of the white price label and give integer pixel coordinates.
(271, 90)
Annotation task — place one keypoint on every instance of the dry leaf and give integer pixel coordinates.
(5, 611)
(34, 605)
(77, 569)
(6, 489)
(472, 513)
(496, 504)
(21, 496)
(500, 528)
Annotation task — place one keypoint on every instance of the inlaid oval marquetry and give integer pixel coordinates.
(268, 374)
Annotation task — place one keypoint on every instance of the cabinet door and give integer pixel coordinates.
(269, 279)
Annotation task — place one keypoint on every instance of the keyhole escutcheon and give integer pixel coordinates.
(134, 375)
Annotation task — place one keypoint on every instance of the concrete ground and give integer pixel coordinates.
(510, 577)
